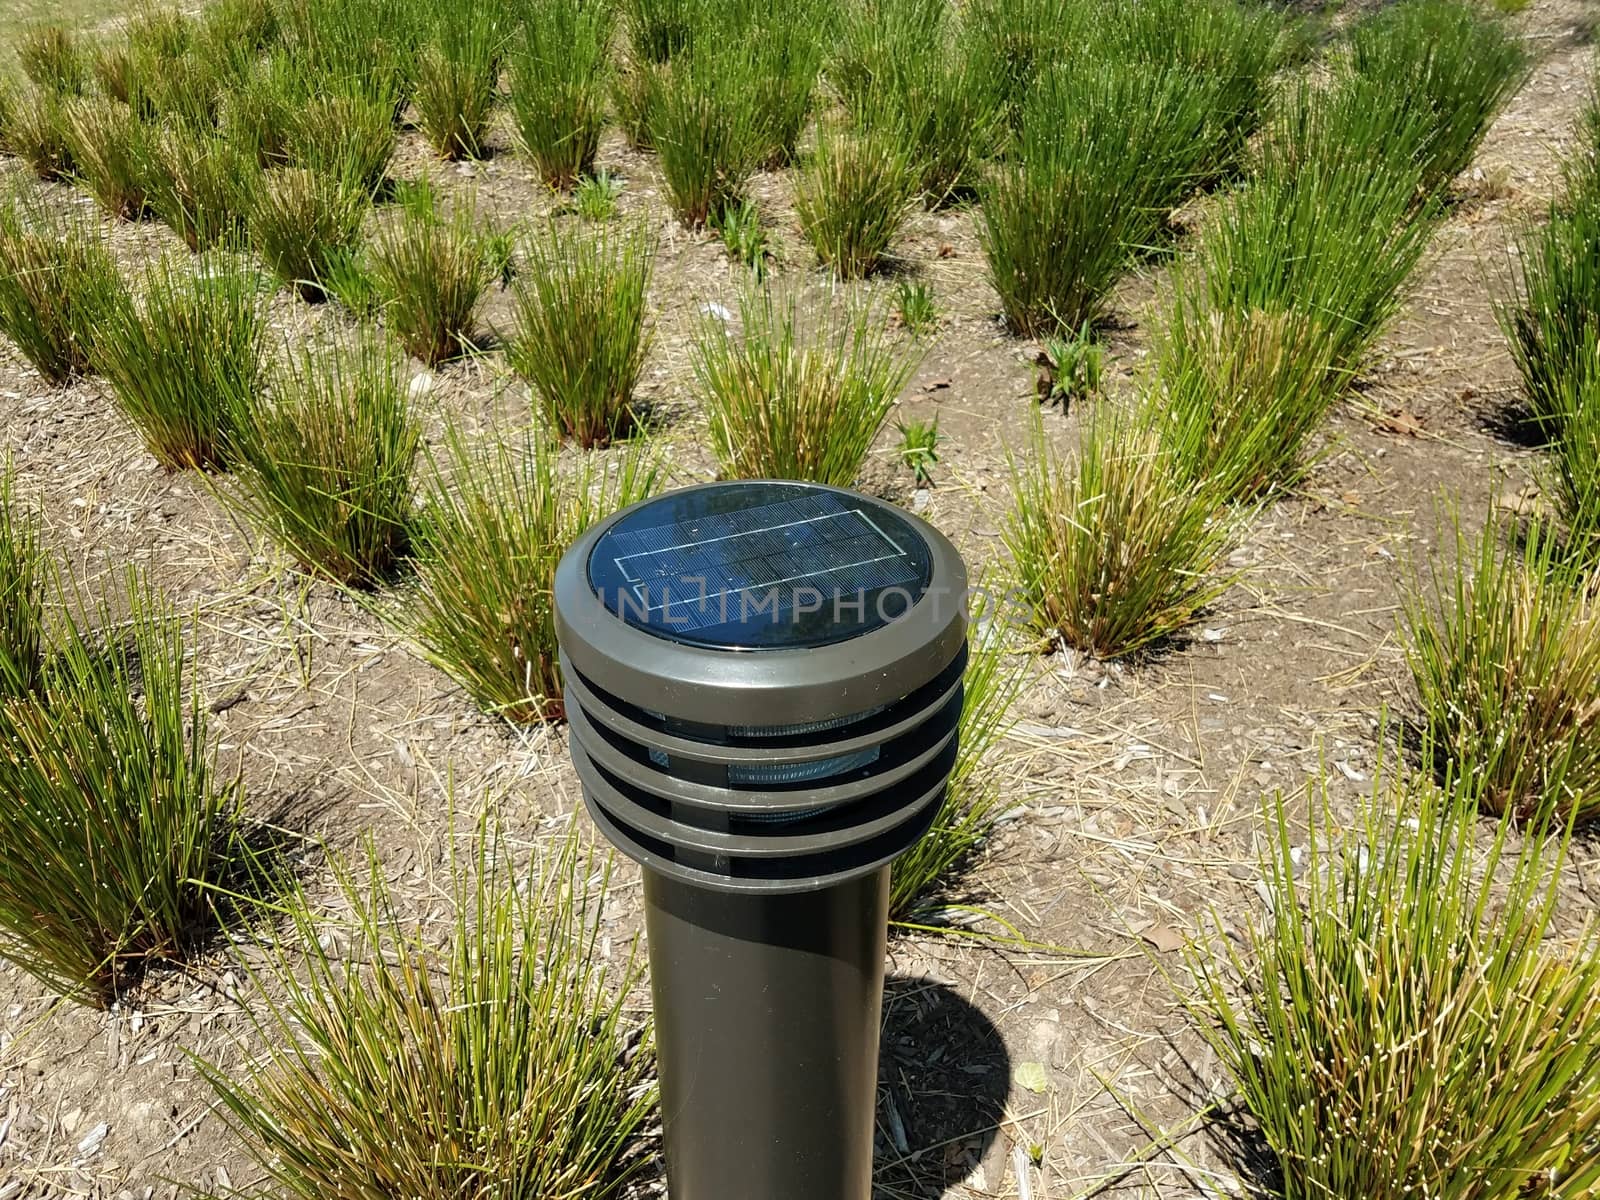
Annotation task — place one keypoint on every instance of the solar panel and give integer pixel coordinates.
(760, 566)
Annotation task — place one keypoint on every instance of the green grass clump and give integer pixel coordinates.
(52, 59)
(259, 113)
(349, 137)
(57, 282)
(1295, 278)
(121, 837)
(305, 225)
(933, 867)
(248, 26)
(1552, 317)
(36, 132)
(874, 37)
(744, 236)
(178, 362)
(1014, 43)
(496, 524)
(186, 89)
(786, 48)
(22, 578)
(1230, 48)
(365, 48)
(112, 69)
(199, 185)
(1406, 1020)
(706, 123)
(457, 70)
(432, 270)
(1105, 150)
(1455, 65)
(915, 306)
(634, 92)
(560, 71)
(324, 461)
(495, 1060)
(1576, 482)
(110, 152)
(1122, 554)
(659, 29)
(904, 69)
(1505, 650)
(581, 335)
(852, 199)
(797, 396)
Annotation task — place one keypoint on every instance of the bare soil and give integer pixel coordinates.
(1135, 791)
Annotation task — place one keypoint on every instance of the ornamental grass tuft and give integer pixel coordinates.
(1123, 553)
(457, 70)
(179, 361)
(22, 594)
(485, 1054)
(305, 225)
(1105, 150)
(1409, 1018)
(1504, 646)
(798, 396)
(560, 73)
(924, 877)
(57, 281)
(496, 523)
(432, 270)
(1454, 65)
(123, 841)
(110, 151)
(324, 460)
(852, 198)
(581, 334)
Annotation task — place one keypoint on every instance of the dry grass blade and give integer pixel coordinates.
(499, 1063)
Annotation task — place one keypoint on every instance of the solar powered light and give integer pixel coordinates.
(763, 682)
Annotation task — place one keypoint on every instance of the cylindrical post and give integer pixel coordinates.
(767, 1012)
(763, 682)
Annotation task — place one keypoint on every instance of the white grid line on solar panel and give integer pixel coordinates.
(694, 610)
(750, 522)
(784, 562)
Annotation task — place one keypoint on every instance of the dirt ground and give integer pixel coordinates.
(1134, 792)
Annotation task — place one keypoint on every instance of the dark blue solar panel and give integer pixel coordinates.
(762, 565)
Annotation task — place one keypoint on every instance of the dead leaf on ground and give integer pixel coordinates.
(1164, 938)
(1400, 421)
